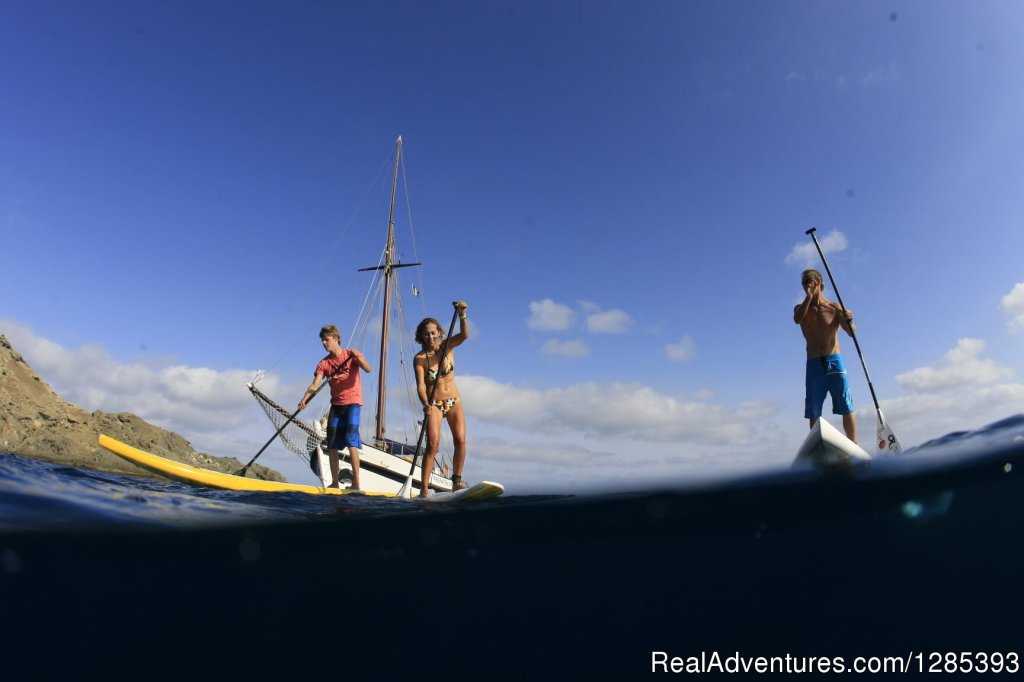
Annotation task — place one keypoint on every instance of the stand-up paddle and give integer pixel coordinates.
(886, 438)
(406, 490)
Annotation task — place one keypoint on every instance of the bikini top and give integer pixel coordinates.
(432, 374)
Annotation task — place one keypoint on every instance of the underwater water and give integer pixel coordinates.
(910, 556)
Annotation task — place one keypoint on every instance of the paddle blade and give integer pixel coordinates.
(406, 489)
(887, 440)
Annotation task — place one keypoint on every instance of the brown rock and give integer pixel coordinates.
(36, 422)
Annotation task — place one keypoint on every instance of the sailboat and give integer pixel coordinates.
(388, 467)
(385, 464)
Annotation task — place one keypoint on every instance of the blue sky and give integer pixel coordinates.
(620, 191)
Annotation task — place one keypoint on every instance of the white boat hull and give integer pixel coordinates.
(380, 471)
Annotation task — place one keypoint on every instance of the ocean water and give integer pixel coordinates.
(918, 556)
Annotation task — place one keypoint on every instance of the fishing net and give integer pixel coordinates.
(298, 437)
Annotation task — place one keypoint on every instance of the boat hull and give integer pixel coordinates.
(380, 471)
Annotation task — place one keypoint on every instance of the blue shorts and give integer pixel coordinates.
(343, 427)
(827, 374)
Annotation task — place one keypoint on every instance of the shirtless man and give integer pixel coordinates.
(820, 320)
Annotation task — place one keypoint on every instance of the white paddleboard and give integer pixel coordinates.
(481, 491)
(825, 446)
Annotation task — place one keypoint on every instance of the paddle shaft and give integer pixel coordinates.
(327, 380)
(853, 334)
(430, 401)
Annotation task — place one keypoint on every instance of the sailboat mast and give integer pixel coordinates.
(389, 258)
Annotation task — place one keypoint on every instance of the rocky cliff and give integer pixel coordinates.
(36, 422)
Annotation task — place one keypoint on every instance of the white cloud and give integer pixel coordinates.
(552, 316)
(959, 369)
(555, 465)
(960, 392)
(919, 418)
(569, 349)
(615, 410)
(613, 321)
(682, 351)
(187, 400)
(544, 452)
(806, 255)
(1013, 307)
(547, 315)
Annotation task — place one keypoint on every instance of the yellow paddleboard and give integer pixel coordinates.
(212, 479)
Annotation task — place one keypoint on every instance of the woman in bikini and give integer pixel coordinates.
(432, 369)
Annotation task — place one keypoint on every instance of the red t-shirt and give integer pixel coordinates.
(346, 388)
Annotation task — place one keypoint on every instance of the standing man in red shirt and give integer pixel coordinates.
(346, 400)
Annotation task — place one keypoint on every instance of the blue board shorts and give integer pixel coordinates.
(827, 375)
(343, 427)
